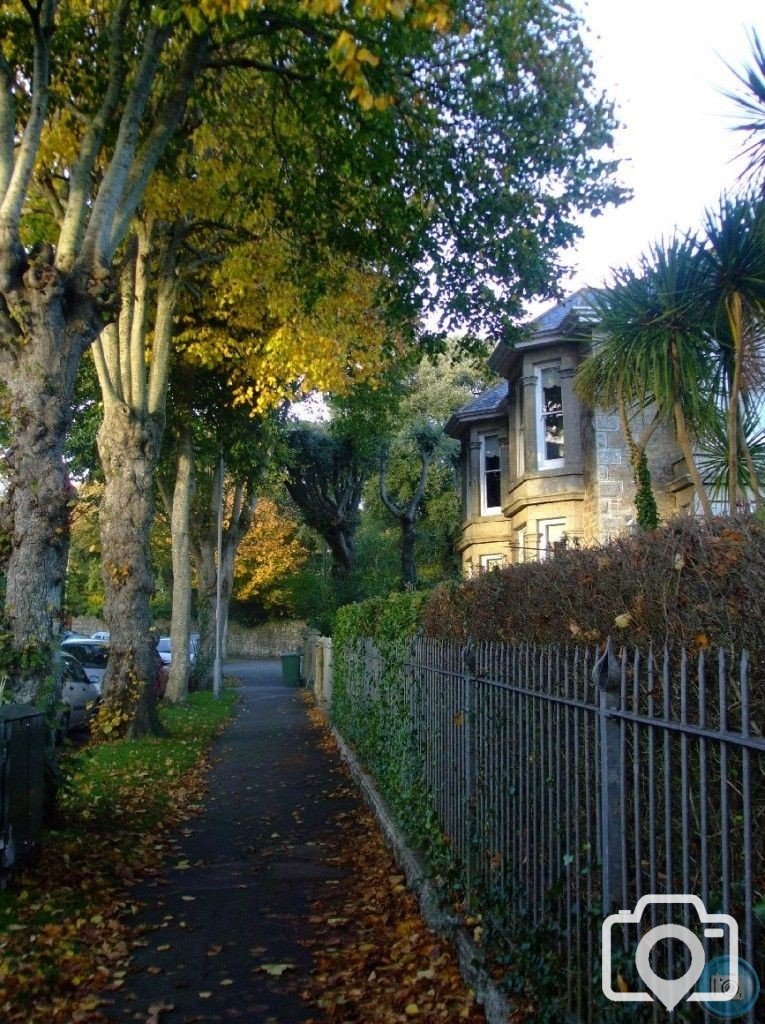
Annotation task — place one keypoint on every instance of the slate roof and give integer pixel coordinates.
(494, 401)
(551, 319)
(489, 403)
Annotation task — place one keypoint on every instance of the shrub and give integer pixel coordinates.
(376, 720)
(689, 583)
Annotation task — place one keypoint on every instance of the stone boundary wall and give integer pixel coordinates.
(268, 640)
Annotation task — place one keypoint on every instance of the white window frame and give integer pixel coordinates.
(489, 510)
(520, 439)
(487, 562)
(545, 549)
(542, 461)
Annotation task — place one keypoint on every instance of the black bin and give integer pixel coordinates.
(22, 781)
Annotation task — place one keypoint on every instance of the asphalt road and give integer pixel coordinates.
(235, 905)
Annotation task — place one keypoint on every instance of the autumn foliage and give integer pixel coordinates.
(270, 552)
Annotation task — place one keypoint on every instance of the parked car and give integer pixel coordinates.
(165, 648)
(100, 635)
(67, 634)
(91, 654)
(78, 694)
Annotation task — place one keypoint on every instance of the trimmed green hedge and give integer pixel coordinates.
(375, 719)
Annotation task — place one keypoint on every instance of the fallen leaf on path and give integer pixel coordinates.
(155, 1009)
(276, 970)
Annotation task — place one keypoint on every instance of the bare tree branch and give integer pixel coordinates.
(80, 178)
(106, 383)
(394, 510)
(164, 126)
(7, 124)
(95, 246)
(16, 190)
(167, 295)
(248, 63)
(49, 190)
(136, 342)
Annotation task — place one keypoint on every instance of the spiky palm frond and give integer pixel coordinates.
(712, 457)
(656, 323)
(751, 107)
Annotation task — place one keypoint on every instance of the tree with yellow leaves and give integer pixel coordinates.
(449, 148)
(270, 553)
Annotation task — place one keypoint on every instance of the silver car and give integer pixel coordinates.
(91, 654)
(78, 694)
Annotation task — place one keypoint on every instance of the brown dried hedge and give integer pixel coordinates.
(688, 583)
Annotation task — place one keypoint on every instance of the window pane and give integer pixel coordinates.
(552, 414)
(491, 452)
(493, 489)
(492, 494)
(553, 425)
(551, 389)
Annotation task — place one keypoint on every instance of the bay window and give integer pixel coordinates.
(549, 417)
(491, 476)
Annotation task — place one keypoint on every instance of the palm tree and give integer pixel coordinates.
(712, 455)
(733, 259)
(751, 107)
(657, 347)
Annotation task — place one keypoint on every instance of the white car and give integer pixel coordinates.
(91, 654)
(100, 635)
(165, 648)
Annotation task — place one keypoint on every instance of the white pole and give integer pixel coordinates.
(218, 668)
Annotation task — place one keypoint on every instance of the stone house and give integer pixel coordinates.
(537, 467)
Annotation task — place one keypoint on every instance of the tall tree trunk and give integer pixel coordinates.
(240, 508)
(45, 325)
(408, 565)
(203, 553)
(227, 586)
(341, 543)
(683, 437)
(134, 394)
(690, 462)
(180, 626)
(734, 313)
(645, 500)
(407, 514)
(754, 483)
(128, 446)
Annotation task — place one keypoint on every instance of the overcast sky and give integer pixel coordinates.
(663, 63)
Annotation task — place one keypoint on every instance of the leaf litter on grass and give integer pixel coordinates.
(66, 939)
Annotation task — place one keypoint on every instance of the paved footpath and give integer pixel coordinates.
(235, 904)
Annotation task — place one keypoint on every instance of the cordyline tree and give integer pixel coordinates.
(750, 101)
(478, 126)
(684, 336)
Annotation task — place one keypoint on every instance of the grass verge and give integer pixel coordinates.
(65, 937)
